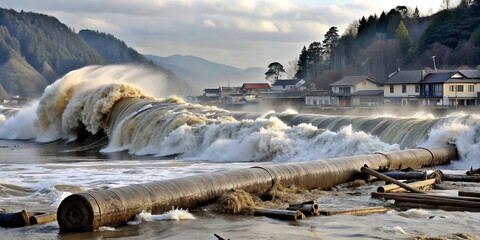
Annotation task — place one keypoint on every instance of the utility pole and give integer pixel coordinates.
(434, 65)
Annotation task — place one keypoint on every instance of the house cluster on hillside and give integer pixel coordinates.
(401, 88)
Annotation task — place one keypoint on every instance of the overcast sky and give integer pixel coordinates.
(248, 33)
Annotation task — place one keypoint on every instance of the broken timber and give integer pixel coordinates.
(430, 201)
(90, 210)
(356, 212)
(418, 185)
(290, 215)
(424, 175)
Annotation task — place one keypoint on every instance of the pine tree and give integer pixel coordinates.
(329, 43)
(302, 64)
(403, 37)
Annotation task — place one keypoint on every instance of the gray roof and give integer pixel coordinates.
(282, 82)
(368, 93)
(405, 77)
(469, 76)
(438, 77)
(352, 80)
(470, 73)
(211, 90)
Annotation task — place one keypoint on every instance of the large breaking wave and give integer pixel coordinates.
(138, 116)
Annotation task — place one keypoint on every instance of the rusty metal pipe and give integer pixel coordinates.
(90, 210)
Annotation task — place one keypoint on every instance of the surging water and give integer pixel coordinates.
(168, 138)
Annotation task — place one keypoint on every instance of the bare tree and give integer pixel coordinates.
(449, 4)
(381, 58)
(442, 54)
(466, 53)
(291, 68)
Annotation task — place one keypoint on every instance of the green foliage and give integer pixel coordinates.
(449, 27)
(275, 69)
(476, 37)
(43, 38)
(112, 49)
(403, 38)
(35, 47)
(310, 61)
(302, 64)
(329, 42)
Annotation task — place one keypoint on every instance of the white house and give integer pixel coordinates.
(357, 91)
(433, 87)
(451, 88)
(319, 98)
(287, 84)
(403, 87)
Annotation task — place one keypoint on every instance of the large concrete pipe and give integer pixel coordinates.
(90, 210)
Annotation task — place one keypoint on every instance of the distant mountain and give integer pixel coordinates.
(201, 73)
(35, 49)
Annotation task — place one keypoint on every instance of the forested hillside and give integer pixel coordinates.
(402, 38)
(35, 49)
(112, 49)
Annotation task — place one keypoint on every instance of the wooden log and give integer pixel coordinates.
(390, 180)
(460, 178)
(356, 212)
(43, 218)
(408, 205)
(279, 214)
(423, 196)
(406, 175)
(431, 199)
(309, 208)
(469, 194)
(423, 175)
(14, 220)
(425, 184)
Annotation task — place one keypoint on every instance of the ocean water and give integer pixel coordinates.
(102, 127)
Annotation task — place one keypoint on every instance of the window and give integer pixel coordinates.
(459, 88)
(392, 90)
(404, 88)
(344, 90)
(417, 88)
(471, 88)
(451, 88)
(364, 83)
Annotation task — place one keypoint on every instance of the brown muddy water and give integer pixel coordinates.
(36, 177)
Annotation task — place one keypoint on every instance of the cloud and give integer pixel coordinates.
(98, 24)
(240, 33)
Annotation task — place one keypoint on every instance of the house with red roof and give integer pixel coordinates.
(254, 88)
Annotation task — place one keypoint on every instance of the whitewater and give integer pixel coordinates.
(111, 126)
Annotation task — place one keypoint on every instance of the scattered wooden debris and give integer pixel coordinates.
(14, 220)
(367, 170)
(279, 214)
(423, 175)
(356, 212)
(220, 238)
(424, 185)
(473, 172)
(43, 218)
(309, 208)
(24, 218)
(430, 201)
